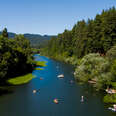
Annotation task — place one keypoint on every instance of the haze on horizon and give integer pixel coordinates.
(48, 16)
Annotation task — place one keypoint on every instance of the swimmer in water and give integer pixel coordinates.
(82, 99)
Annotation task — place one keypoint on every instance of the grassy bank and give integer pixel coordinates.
(40, 63)
(38, 68)
(28, 77)
(67, 59)
(21, 79)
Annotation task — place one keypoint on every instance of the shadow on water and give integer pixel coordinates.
(6, 90)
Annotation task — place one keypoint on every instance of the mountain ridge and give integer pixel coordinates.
(36, 40)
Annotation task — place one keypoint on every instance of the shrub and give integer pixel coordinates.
(93, 66)
(113, 68)
(111, 54)
(113, 84)
(72, 60)
(110, 98)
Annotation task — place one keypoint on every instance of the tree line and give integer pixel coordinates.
(16, 57)
(96, 35)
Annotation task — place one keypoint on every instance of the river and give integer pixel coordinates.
(22, 102)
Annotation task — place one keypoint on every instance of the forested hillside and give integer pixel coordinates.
(96, 35)
(91, 47)
(36, 40)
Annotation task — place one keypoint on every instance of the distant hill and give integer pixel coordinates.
(36, 40)
(10, 34)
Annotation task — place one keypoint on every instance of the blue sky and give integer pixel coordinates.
(48, 16)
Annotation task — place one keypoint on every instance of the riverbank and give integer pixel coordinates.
(27, 77)
(71, 60)
(21, 79)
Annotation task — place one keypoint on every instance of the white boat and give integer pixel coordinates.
(61, 76)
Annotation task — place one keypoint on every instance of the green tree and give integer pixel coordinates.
(111, 54)
(5, 33)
